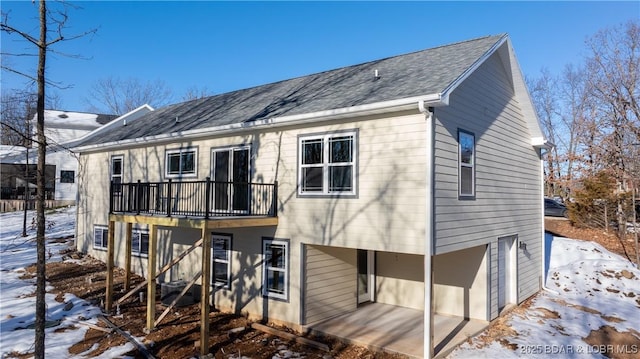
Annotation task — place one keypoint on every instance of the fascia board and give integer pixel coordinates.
(327, 115)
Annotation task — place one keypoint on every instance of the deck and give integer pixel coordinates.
(194, 200)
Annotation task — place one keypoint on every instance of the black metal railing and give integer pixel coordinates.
(203, 199)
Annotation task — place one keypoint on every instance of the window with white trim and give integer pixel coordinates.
(327, 164)
(100, 237)
(221, 253)
(275, 275)
(116, 172)
(467, 162)
(140, 243)
(181, 162)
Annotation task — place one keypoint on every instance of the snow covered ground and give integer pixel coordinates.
(590, 288)
(17, 296)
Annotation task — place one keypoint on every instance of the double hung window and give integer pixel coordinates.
(116, 173)
(275, 268)
(327, 164)
(221, 252)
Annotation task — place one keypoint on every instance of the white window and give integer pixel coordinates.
(327, 164)
(100, 237)
(276, 268)
(181, 162)
(116, 172)
(221, 253)
(140, 243)
(467, 162)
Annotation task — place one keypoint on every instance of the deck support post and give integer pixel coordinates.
(151, 275)
(127, 258)
(108, 303)
(204, 300)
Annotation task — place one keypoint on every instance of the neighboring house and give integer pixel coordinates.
(322, 193)
(63, 129)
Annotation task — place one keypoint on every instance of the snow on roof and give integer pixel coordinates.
(8, 150)
(68, 119)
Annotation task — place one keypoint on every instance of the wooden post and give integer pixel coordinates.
(204, 300)
(108, 302)
(127, 258)
(151, 274)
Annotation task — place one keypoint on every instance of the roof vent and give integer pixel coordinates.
(177, 119)
(376, 75)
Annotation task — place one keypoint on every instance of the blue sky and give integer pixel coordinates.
(225, 45)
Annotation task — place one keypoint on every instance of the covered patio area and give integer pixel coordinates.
(397, 329)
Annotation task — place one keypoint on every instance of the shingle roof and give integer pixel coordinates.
(419, 73)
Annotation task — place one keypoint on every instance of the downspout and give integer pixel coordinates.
(428, 238)
(543, 279)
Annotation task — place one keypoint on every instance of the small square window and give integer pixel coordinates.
(67, 176)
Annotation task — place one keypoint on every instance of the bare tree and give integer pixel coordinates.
(574, 119)
(119, 96)
(544, 95)
(42, 42)
(18, 108)
(195, 93)
(614, 81)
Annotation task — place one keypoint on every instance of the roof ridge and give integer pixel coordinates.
(337, 69)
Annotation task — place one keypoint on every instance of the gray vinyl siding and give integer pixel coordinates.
(508, 179)
(530, 263)
(329, 282)
(493, 280)
(507, 166)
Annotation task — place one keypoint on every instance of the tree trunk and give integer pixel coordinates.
(40, 194)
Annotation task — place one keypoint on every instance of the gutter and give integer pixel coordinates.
(275, 122)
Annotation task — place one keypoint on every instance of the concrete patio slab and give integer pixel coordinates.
(397, 329)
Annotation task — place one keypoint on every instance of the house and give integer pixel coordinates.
(63, 129)
(406, 190)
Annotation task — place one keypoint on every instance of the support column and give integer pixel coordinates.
(127, 258)
(108, 302)
(204, 300)
(151, 275)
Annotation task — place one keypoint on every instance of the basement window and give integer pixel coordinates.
(221, 262)
(140, 243)
(275, 268)
(100, 237)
